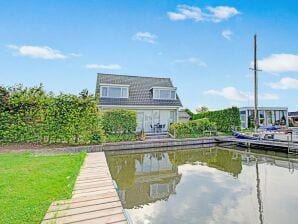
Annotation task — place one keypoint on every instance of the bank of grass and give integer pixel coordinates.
(29, 184)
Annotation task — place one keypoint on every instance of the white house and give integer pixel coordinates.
(154, 99)
(267, 116)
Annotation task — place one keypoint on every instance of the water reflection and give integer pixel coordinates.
(206, 186)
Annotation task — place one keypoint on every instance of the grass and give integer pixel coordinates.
(29, 184)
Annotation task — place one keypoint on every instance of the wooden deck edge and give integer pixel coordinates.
(96, 202)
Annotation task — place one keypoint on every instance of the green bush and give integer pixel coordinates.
(181, 130)
(119, 121)
(121, 137)
(226, 120)
(201, 125)
(191, 129)
(30, 115)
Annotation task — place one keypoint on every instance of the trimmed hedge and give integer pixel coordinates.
(191, 129)
(120, 121)
(30, 115)
(226, 120)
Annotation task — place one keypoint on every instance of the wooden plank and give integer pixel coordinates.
(93, 197)
(117, 218)
(92, 185)
(92, 189)
(94, 180)
(55, 208)
(92, 193)
(106, 215)
(84, 209)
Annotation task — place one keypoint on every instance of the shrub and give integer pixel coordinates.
(30, 115)
(201, 125)
(181, 130)
(191, 129)
(226, 120)
(121, 137)
(119, 121)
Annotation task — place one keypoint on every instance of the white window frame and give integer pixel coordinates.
(122, 87)
(156, 93)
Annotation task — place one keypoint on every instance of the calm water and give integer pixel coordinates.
(206, 186)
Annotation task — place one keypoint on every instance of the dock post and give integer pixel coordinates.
(288, 139)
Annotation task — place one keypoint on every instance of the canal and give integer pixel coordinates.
(206, 185)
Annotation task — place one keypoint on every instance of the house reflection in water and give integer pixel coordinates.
(144, 178)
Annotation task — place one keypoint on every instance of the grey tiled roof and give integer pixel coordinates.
(139, 90)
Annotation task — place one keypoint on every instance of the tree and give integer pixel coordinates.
(202, 109)
(4, 96)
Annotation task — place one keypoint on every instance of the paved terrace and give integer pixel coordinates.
(94, 199)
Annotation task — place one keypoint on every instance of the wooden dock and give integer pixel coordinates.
(283, 146)
(94, 199)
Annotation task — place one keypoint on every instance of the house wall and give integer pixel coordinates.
(148, 117)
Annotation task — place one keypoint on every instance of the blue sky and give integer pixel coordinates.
(206, 47)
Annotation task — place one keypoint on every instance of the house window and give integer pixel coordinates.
(173, 94)
(104, 91)
(164, 94)
(114, 92)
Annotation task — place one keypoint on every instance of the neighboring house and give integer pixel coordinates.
(267, 116)
(154, 99)
(293, 119)
(183, 116)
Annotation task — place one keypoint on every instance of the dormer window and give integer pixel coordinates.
(114, 91)
(164, 93)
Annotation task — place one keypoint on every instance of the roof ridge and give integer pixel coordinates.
(136, 76)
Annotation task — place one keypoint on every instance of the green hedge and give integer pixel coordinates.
(226, 120)
(30, 115)
(191, 129)
(120, 121)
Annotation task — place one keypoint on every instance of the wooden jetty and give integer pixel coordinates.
(94, 199)
(283, 146)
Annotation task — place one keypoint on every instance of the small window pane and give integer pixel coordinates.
(164, 94)
(115, 92)
(156, 94)
(124, 92)
(173, 94)
(104, 91)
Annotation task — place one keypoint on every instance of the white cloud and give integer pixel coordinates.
(43, 52)
(233, 94)
(279, 63)
(102, 66)
(214, 14)
(230, 93)
(186, 12)
(227, 34)
(221, 13)
(285, 83)
(146, 37)
(191, 60)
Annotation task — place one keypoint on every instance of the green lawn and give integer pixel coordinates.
(29, 184)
